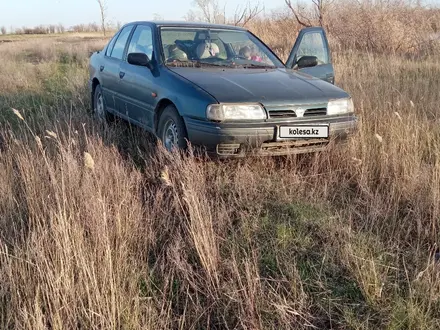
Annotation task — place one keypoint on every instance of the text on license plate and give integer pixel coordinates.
(302, 131)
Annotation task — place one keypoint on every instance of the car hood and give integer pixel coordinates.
(269, 87)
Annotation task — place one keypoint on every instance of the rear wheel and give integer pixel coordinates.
(171, 129)
(99, 107)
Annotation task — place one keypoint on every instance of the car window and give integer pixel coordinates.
(111, 44)
(312, 44)
(169, 36)
(216, 42)
(220, 47)
(178, 42)
(118, 49)
(142, 41)
(246, 49)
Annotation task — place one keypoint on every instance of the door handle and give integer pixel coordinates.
(121, 74)
(101, 68)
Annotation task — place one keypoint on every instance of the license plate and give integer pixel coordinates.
(304, 132)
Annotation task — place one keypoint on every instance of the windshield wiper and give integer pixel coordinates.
(178, 62)
(195, 63)
(258, 66)
(200, 63)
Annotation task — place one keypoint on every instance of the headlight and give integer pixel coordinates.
(220, 112)
(341, 106)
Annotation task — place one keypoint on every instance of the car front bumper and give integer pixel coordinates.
(226, 140)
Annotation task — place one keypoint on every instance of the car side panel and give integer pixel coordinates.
(136, 92)
(137, 83)
(144, 89)
(109, 79)
(324, 72)
(104, 69)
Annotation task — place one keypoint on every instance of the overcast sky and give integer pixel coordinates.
(18, 13)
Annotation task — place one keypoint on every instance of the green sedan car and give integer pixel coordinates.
(221, 88)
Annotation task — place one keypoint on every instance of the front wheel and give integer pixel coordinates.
(171, 129)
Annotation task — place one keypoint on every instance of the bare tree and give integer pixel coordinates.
(190, 16)
(212, 11)
(157, 17)
(244, 15)
(3, 30)
(103, 8)
(295, 12)
(61, 28)
(208, 11)
(321, 8)
(92, 27)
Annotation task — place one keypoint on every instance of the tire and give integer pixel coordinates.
(171, 129)
(99, 107)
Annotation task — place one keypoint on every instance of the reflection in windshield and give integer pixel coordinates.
(197, 47)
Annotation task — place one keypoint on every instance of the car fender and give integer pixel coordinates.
(189, 99)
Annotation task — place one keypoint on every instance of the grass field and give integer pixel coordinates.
(102, 229)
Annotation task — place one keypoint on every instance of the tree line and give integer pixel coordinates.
(59, 28)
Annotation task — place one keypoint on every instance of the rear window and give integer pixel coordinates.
(111, 44)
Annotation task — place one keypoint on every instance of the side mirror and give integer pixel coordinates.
(139, 59)
(307, 62)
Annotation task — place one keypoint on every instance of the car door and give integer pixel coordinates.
(110, 68)
(137, 83)
(313, 41)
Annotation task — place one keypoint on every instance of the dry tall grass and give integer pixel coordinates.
(101, 229)
(393, 26)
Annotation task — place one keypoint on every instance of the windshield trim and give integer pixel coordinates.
(253, 37)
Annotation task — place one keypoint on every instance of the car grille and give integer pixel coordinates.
(294, 147)
(228, 149)
(283, 113)
(315, 112)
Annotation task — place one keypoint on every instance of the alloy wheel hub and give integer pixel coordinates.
(171, 137)
(100, 106)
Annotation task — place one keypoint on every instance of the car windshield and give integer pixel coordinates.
(197, 47)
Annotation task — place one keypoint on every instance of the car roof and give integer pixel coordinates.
(189, 24)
